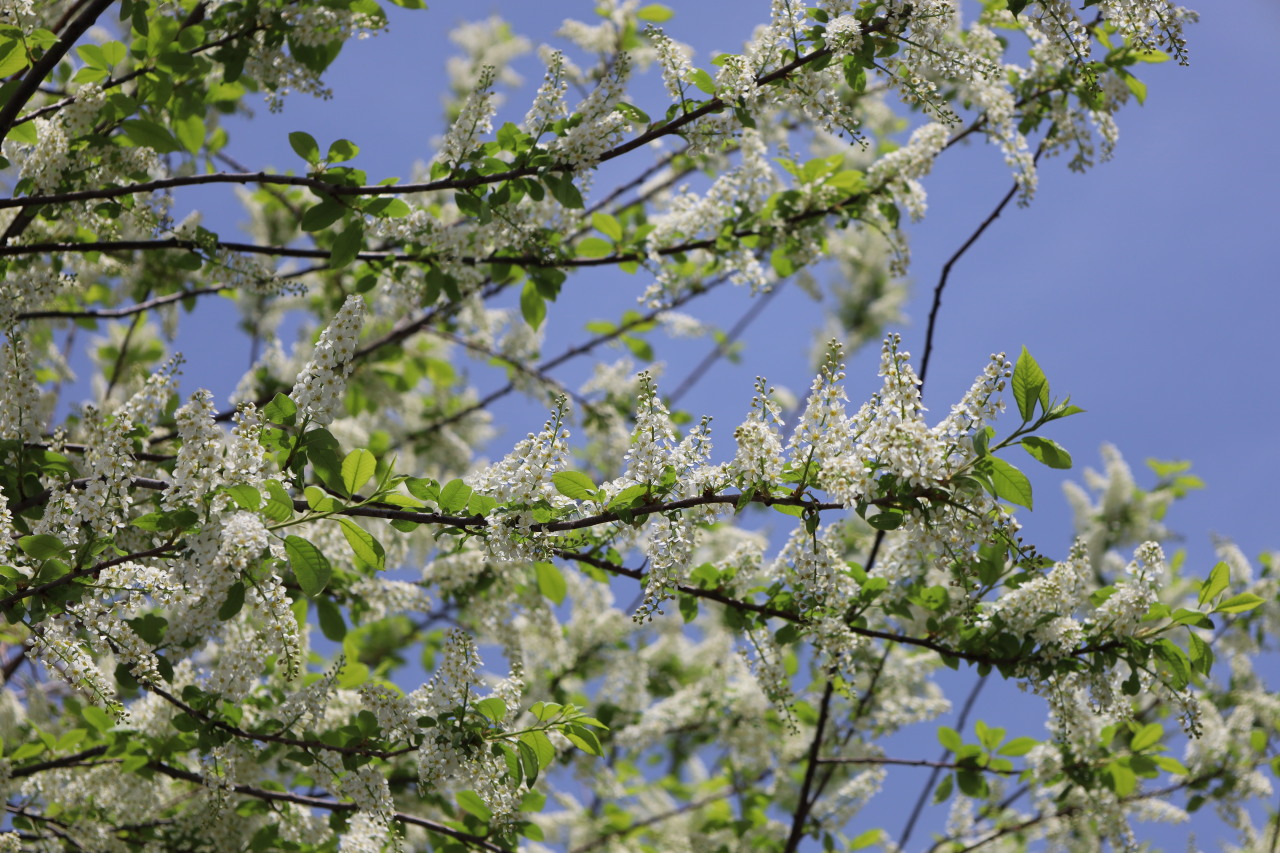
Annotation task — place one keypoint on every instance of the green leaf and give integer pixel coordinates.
(574, 484)
(190, 131)
(542, 748)
(1029, 386)
(1136, 86)
(150, 627)
(387, 208)
(1010, 483)
(1241, 603)
(1169, 764)
(989, 737)
(563, 190)
(423, 489)
(472, 804)
(1148, 735)
(886, 519)
(342, 150)
(454, 496)
(310, 565)
(1018, 746)
(1177, 663)
(607, 225)
(13, 57)
(329, 615)
(347, 245)
(281, 410)
(91, 54)
(528, 760)
(949, 738)
(655, 13)
(593, 247)
(551, 582)
(98, 718)
(532, 306)
(321, 215)
(700, 78)
(113, 52)
(1016, 6)
(584, 739)
(1200, 653)
(368, 550)
(866, 839)
(325, 455)
(305, 146)
(42, 546)
(1218, 580)
(150, 134)
(493, 708)
(1120, 778)
(279, 505)
(1047, 451)
(245, 496)
(234, 602)
(357, 468)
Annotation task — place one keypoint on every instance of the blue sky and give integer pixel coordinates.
(1147, 288)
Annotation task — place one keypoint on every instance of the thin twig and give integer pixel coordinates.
(946, 268)
(928, 786)
(722, 347)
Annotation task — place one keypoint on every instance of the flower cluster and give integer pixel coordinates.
(319, 386)
(474, 120)
(200, 458)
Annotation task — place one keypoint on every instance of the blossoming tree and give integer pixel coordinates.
(214, 617)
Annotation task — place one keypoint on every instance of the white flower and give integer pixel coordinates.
(319, 386)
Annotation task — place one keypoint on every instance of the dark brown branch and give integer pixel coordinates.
(928, 787)
(55, 763)
(918, 762)
(714, 105)
(280, 739)
(1158, 794)
(330, 805)
(116, 313)
(803, 804)
(951, 262)
(44, 66)
(164, 550)
(722, 347)
(570, 353)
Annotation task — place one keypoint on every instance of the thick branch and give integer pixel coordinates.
(44, 66)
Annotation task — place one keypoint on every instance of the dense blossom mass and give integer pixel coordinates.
(335, 613)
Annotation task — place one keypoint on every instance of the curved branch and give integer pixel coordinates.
(331, 805)
(116, 313)
(951, 262)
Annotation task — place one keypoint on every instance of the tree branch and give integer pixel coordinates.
(45, 65)
(951, 262)
(803, 804)
(331, 805)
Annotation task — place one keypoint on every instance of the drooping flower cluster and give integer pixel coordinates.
(319, 386)
(200, 458)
